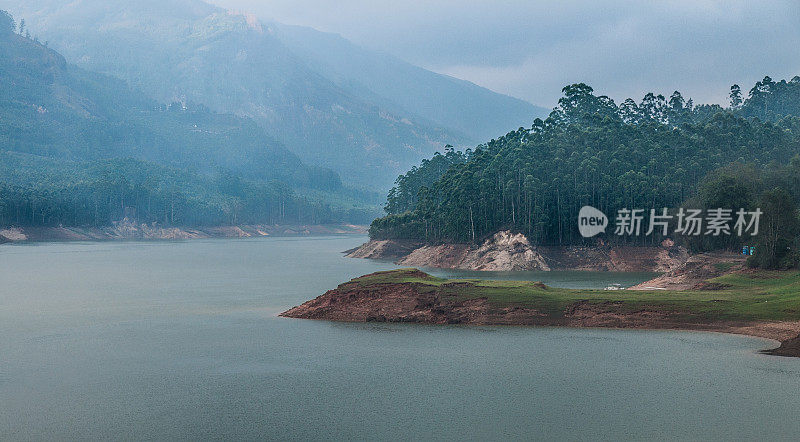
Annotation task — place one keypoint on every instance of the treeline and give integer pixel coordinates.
(591, 151)
(769, 100)
(99, 193)
(403, 196)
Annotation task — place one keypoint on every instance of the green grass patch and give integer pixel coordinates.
(750, 296)
(724, 266)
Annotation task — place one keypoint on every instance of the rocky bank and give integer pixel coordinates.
(695, 271)
(506, 251)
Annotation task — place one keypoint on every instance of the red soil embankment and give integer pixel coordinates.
(416, 302)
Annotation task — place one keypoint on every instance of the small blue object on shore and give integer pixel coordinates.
(748, 250)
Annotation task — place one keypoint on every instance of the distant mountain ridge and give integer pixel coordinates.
(447, 101)
(366, 115)
(78, 148)
(53, 109)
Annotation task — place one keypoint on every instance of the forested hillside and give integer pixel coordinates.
(330, 109)
(591, 151)
(83, 148)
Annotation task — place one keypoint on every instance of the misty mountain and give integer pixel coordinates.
(53, 109)
(81, 148)
(448, 102)
(363, 114)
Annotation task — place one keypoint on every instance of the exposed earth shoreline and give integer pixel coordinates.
(412, 296)
(506, 251)
(128, 230)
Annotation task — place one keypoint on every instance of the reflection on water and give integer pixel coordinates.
(181, 341)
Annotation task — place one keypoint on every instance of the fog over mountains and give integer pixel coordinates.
(79, 148)
(50, 108)
(365, 115)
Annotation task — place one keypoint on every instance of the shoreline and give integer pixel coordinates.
(411, 296)
(679, 270)
(780, 344)
(774, 340)
(130, 231)
(506, 251)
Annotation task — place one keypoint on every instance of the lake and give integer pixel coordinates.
(181, 340)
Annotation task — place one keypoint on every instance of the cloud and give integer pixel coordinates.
(531, 49)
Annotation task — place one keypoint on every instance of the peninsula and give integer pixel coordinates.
(758, 303)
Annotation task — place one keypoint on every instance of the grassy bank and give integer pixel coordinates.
(750, 296)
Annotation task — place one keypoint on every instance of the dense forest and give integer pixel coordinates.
(80, 148)
(591, 151)
(403, 196)
(45, 192)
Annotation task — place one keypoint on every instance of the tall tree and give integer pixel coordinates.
(736, 96)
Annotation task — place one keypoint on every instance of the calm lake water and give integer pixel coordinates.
(180, 340)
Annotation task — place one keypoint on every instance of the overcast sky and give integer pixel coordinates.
(531, 49)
